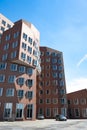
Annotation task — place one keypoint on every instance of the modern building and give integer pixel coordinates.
(77, 104)
(19, 66)
(24, 91)
(51, 86)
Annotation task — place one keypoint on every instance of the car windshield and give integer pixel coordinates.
(57, 115)
(40, 115)
(61, 116)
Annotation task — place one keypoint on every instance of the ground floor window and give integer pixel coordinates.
(64, 111)
(55, 111)
(29, 110)
(48, 112)
(77, 112)
(7, 110)
(70, 113)
(84, 112)
(41, 111)
(19, 110)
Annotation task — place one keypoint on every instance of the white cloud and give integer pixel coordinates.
(82, 60)
(76, 84)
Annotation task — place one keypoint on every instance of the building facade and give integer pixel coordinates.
(19, 65)
(77, 104)
(51, 86)
(5, 24)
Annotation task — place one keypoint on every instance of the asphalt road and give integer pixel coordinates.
(45, 125)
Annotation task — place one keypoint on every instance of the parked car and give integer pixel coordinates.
(40, 117)
(61, 118)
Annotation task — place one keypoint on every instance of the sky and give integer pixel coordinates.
(63, 26)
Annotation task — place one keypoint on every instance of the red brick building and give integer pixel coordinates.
(77, 104)
(51, 86)
(19, 63)
(20, 92)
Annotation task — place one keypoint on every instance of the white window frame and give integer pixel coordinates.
(7, 107)
(29, 71)
(22, 69)
(29, 94)
(21, 81)
(20, 93)
(11, 78)
(23, 56)
(10, 92)
(13, 67)
(20, 108)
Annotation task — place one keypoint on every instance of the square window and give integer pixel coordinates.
(30, 40)
(21, 81)
(24, 46)
(16, 34)
(8, 26)
(29, 94)
(61, 83)
(22, 69)
(3, 29)
(13, 54)
(25, 36)
(30, 82)
(48, 101)
(6, 46)
(30, 71)
(41, 101)
(29, 49)
(20, 93)
(54, 60)
(3, 22)
(54, 67)
(10, 92)
(7, 37)
(55, 75)
(13, 67)
(23, 56)
(14, 44)
(29, 59)
(11, 78)
(35, 62)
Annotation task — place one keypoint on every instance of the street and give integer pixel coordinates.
(47, 124)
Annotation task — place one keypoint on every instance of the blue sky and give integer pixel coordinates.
(63, 26)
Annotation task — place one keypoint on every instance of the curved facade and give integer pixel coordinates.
(19, 64)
